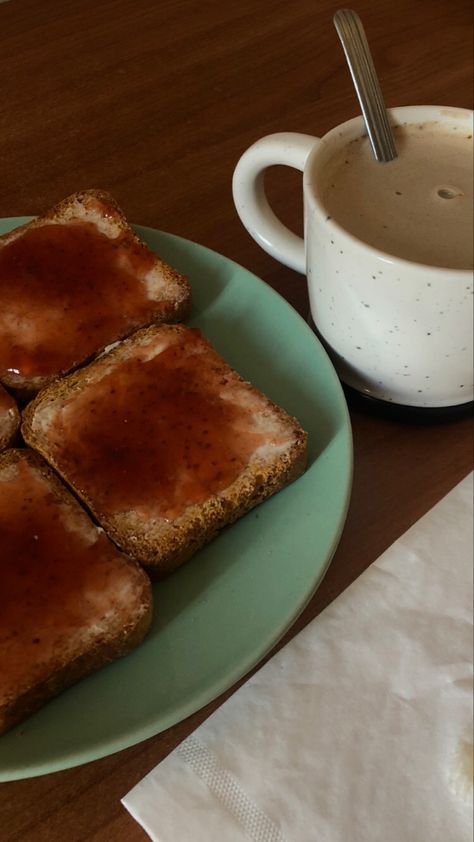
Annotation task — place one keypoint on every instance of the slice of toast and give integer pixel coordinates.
(72, 282)
(165, 443)
(9, 419)
(70, 602)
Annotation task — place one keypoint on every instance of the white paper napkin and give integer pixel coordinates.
(359, 730)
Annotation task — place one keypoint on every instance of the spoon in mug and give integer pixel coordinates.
(357, 51)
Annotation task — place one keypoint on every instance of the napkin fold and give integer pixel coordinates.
(359, 729)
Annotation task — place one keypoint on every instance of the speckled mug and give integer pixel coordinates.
(396, 331)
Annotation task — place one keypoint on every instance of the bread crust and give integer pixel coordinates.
(105, 646)
(163, 546)
(9, 419)
(69, 673)
(105, 208)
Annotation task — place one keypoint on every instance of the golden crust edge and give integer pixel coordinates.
(221, 509)
(179, 308)
(11, 423)
(99, 653)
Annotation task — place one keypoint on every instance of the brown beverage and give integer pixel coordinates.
(419, 206)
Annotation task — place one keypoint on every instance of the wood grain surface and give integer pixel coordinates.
(156, 101)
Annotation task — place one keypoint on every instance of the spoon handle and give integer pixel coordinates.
(357, 52)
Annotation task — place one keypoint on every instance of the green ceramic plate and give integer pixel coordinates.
(218, 615)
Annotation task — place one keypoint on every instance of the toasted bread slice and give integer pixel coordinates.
(69, 600)
(9, 419)
(165, 443)
(72, 282)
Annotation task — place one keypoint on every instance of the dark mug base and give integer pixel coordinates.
(405, 413)
(397, 411)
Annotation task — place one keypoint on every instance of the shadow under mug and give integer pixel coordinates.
(396, 331)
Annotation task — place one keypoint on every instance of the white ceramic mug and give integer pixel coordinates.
(396, 330)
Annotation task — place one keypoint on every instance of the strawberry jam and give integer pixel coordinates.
(56, 573)
(67, 291)
(166, 427)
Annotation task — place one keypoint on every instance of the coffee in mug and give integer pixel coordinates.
(387, 249)
(418, 206)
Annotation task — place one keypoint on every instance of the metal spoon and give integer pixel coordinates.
(357, 52)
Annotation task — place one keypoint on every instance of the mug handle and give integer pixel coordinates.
(287, 148)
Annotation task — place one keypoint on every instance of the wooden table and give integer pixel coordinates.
(155, 101)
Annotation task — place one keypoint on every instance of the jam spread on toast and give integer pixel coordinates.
(54, 571)
(157, 434)
(68, 290)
